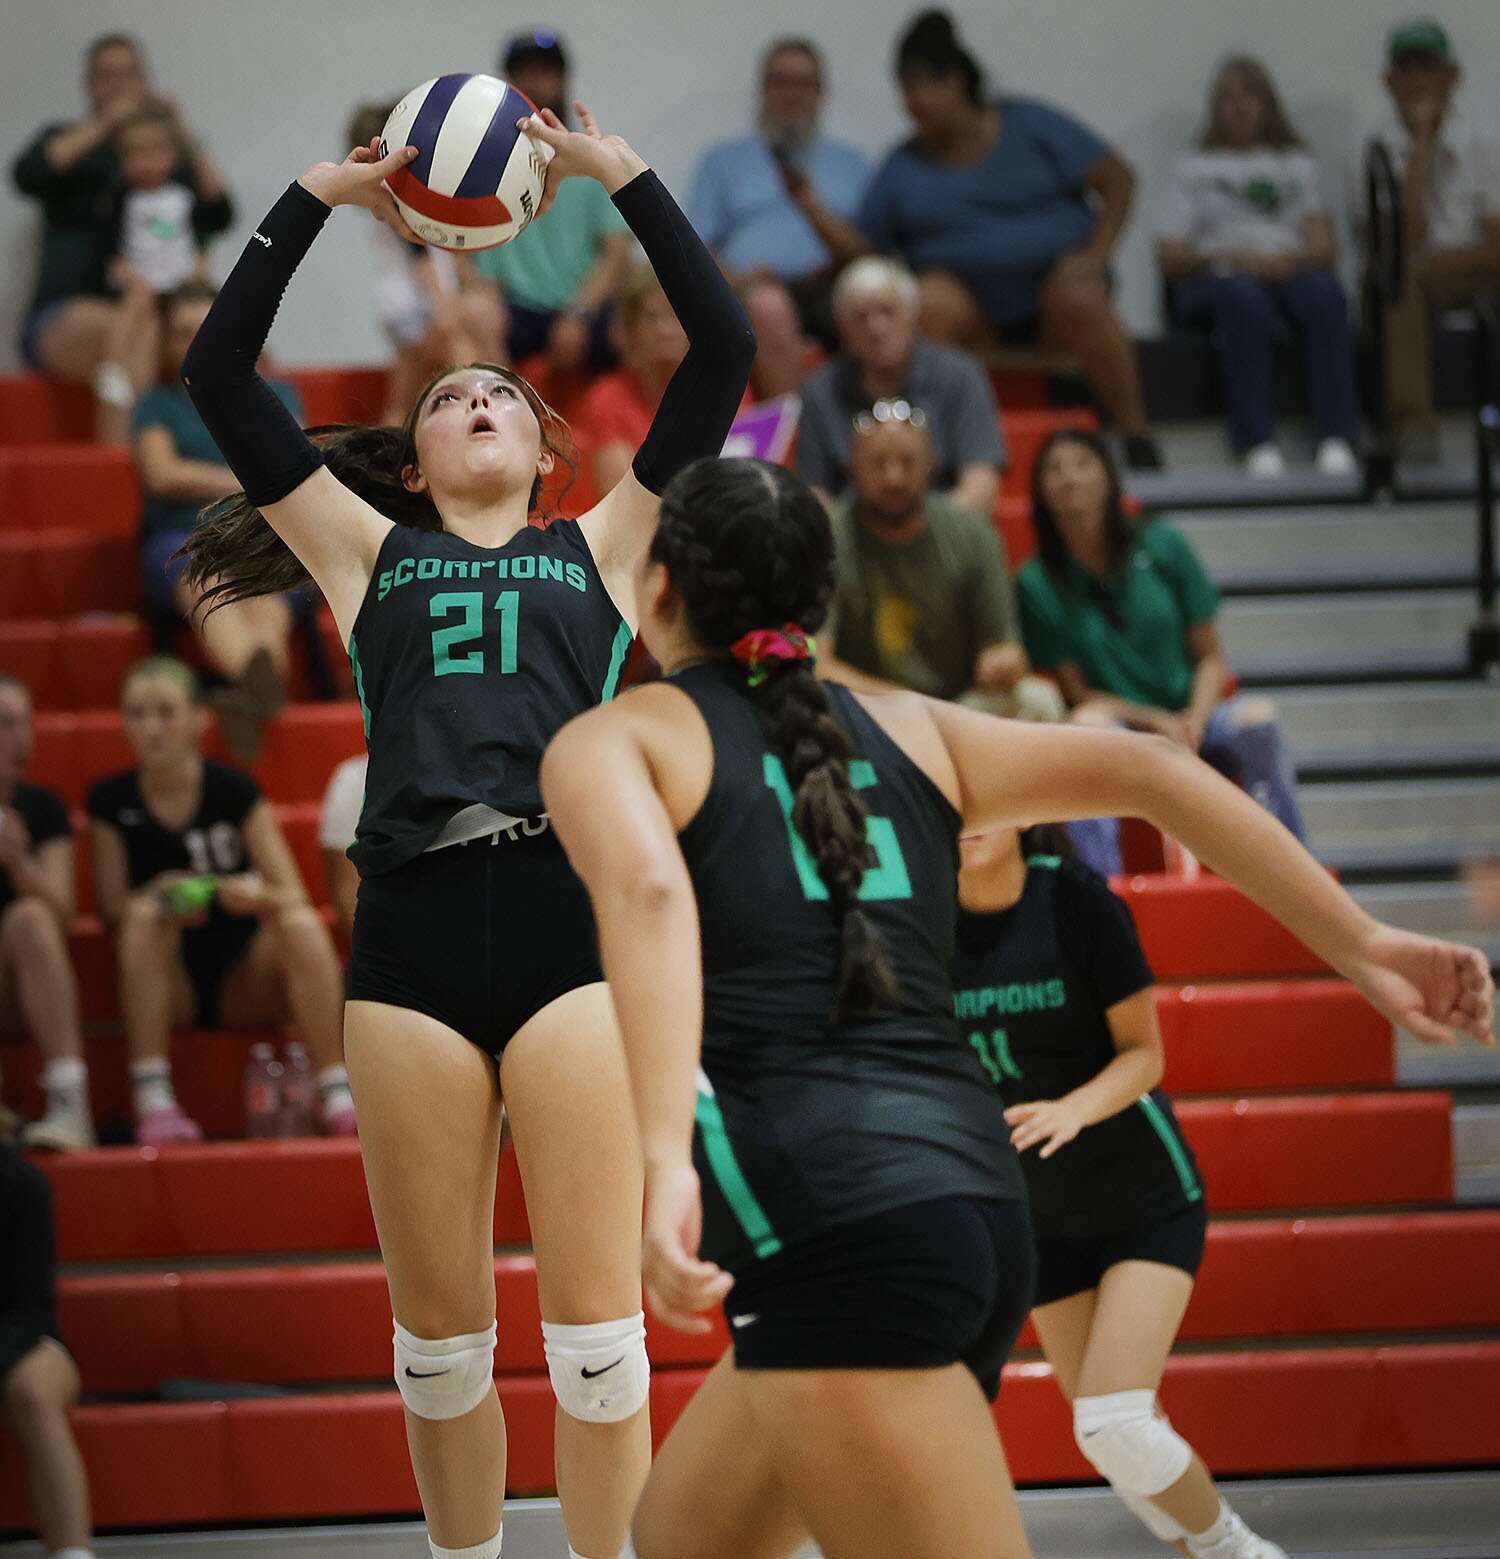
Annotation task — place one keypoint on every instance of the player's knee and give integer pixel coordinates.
(1129, 1442)
(302, 933)
(1249, 712)
(444, 1377)
(30, 928)
(600, 1372)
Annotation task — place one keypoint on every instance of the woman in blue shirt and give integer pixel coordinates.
(1009, 210)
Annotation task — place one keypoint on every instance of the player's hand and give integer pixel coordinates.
(1001, 666)
(1435, 990)
(679, 1287)
(1052, 1122)
(15, 838)
(245, 893)
(359, 180)
(585, 153)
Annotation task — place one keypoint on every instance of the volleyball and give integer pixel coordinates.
(476, 180)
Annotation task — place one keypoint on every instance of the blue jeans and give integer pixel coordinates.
(1253, 756)
(1249, 316)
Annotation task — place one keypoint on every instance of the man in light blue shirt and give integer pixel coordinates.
(741, 204)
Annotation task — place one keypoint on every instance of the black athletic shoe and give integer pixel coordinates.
(1141, 453)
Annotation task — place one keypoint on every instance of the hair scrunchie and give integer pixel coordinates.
(763, 649)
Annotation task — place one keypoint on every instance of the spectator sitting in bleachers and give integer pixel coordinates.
(434, 307)
(1010, 211)
(1449, 167)
(338, 821)
(1122, 614)
(212, 921)
(75, 326)
(784, 356)
(748, 193)
(1249, 245)
(38, 1379)
(923, 598)
(38, 988)
(180, 471)
(559, 275)
(876, 305)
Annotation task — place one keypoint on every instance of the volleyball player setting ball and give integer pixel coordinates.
(474, 635)
(773, 864)
(1054, 996)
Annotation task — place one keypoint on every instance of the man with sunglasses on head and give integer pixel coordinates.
(923, 598)
(875, 303)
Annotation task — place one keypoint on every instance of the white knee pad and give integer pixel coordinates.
(600, 1373)
(1156, 1521)
(445, 1378)
(1129, 1442)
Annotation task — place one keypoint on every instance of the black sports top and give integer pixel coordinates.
(1033, 984)
(803, 1122)
(467, 661)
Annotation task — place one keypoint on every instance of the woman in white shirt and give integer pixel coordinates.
(1249, 243)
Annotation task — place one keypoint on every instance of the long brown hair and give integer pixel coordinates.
(233, 554)
(1275, 130)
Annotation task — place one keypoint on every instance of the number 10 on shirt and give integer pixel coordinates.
(469, 607)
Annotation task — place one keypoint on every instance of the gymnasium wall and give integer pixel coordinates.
(269, 84)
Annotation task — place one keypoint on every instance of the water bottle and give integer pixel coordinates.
(299, 1092)
(263, 1093)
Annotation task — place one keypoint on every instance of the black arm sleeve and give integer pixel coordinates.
(257, 436)
(704, 394)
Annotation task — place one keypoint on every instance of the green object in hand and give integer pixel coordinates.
(189, 896)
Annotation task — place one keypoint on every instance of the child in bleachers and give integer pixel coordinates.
(38, 989)
(212, 921)
(38, 1378)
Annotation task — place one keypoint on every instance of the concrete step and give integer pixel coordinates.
(1322, 637)
(1476, 1152)
(1355, 544)
(1391, 725)
(1403, 823)
(1441, 909)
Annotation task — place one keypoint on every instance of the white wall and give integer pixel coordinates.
(268, 83)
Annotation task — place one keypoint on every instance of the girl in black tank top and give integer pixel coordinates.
(473, 636)
(771, 862)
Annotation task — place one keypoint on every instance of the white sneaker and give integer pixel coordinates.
(1336, 458)
(60, 1131)
(1264, 462)
(1239, 1542)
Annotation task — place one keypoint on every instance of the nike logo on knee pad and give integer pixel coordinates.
(589, 1374)
(412, 1374)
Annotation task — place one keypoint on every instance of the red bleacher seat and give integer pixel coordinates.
(57, 573)
(37, 409)
(1207, 929)
(338, 394)
(88, 487)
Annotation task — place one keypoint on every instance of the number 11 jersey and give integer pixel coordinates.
(467, 661)
(804, 1122)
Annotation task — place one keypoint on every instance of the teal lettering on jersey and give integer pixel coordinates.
(886, 879)
(576, 576)
(455, 568)
(993, 1050)
(548, 570)
(429, 568)
(1012, 1000)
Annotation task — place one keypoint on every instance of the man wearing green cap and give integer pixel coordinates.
(1449, 169)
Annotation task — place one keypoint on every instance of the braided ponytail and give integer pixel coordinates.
(748, 545)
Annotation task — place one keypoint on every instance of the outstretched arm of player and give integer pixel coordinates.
(1013, 774)
(621, 842)
(702, 397)
(335, 534)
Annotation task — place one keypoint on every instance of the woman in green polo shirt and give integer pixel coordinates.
(1122, 614)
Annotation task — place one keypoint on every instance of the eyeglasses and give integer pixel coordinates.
(888, 411)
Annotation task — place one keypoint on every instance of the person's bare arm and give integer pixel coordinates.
(280, 885)
(1112, 182)
(42, 871)
(1178, 257)
(1085, 700)
(1210, 677)
(977, 489)
(840, 237)
(1320, 244)
(1135, 1069)
(611, 463)
(1416, 185)
(111, 871)
(167, 475)
(343, 886)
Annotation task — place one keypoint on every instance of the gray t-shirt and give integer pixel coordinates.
(918, 613)
(1226, 202)
(948, 385)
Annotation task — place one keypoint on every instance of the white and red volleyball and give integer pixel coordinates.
(476, 180)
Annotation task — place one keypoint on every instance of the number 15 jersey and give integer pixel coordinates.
(467, 661)
(805, 1122)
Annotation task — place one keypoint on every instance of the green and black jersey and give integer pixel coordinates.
(467, 661)
(1033, 986)
(803, 1122)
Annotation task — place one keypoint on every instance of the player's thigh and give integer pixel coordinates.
(75, 339)
(429, 1133)
(890, 1464)
(1063, 1328)
(567, 1094)
(1137, 1315)
(713, 1489)
(44, 1380)
(253, 994)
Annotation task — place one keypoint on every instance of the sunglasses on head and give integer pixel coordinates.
(887, 411)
